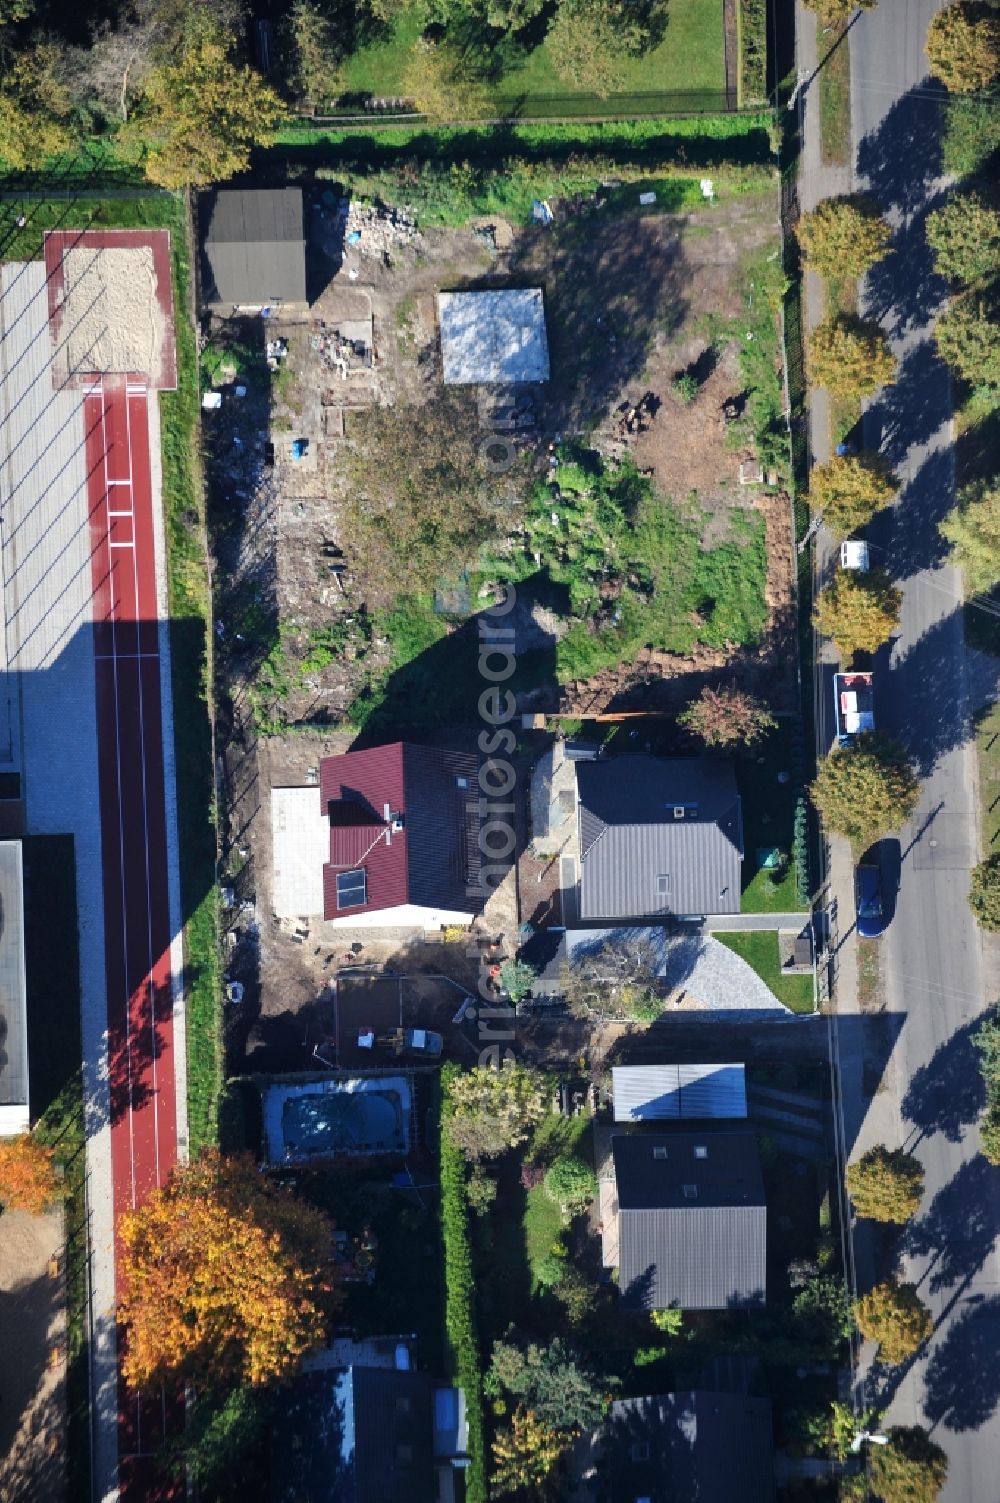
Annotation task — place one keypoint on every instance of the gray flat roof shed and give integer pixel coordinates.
(14, 1109)
(493, 338)
(253, 248)
(651, 1093)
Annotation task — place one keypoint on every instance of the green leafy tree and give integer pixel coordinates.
(201, 113)
(589, 41)
(858, 611)
(963, 46)
(481, 1191)
(550, 1270)
(822, 1313)
(314, 53)
(579, 1296)
(669, 1321)
(843, 237)
(896, 1317)
(517, 978)
(555, 1381)
(867, 789)
(987, 1041)
(571, 1183)
(495, 1110)
(849, 489)
(968, 337)
(989, 1134)
(34, 108)
(984, 893)
(964, 235)
(850, 356)
(910, 1469)
(438, 81)
(727, 717)
(972, 527)
(886, 1185)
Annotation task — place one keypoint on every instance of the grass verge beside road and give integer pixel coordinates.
(760, 951)
(834, 99)
(56, 1090)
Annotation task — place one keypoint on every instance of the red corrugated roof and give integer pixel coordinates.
(368, 780)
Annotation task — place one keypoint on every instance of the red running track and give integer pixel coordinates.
(134, 848)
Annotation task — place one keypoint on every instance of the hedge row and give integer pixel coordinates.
(753, 51)
(460, 1293)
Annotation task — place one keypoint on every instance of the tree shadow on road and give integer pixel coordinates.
(948, 1093)
(902, 158)
(926, 676)
(904, 292)
(962, 1384)
(907, 539)
(914, 408)
(959, 1230)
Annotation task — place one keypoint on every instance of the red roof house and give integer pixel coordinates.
(404, 836)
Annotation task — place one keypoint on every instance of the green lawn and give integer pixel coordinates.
(768, 820)
(835, 101)
(556, 1136)
(690, 57)
(760, 951)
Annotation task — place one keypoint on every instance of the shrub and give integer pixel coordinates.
(550, 1270)
(531, 1175)
(800, 851)
(27, 1175)
(910, 1469)
(685, 386)
(984, 893)
(493, 1110)
(517, 978)
(481, 1191)
(727, 717)
(823, 1314)
(571, 1183)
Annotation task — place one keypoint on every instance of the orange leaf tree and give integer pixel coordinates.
(226, 1276)
(27, 1174)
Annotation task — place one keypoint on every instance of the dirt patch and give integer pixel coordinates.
(33, 1338)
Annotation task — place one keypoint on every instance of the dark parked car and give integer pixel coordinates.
(868, 899)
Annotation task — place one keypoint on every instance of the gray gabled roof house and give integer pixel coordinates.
(253, 249)
(658, 837)
(692, 1219)
(697, 1446)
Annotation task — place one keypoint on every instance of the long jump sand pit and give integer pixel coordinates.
(110, 305)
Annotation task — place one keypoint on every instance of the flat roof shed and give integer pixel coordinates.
(253, 248)
(493, 338)
(649, 1093)
(14, 1110)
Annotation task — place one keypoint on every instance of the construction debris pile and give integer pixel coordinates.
(633, 420)
(339, 353)
(375, 231)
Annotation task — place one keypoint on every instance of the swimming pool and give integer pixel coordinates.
(333, 1118)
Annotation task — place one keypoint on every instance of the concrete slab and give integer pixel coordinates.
(300, 844)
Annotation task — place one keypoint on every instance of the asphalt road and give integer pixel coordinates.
(934, 963)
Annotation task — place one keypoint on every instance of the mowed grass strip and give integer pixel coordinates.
(834, 100)
(760, 951)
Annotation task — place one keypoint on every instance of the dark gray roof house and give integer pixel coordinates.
(253, 249)
(659, 837)
(698, 1447)
(354, 1435)
(692, 1219)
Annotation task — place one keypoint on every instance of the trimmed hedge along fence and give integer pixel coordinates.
(460, 1293)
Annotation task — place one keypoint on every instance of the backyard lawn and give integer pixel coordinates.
(761, 952)
(768, 824)
(691, 57)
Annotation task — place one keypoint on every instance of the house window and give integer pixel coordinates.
(663, 884)
(461, 782)
(659, 1153)
(701, 1152)
(640, 1450)
(690, 1192)
(352, 889)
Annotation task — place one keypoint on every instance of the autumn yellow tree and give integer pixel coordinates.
(833, 11)
(858, 611)
(842, 237)
(963, 46)
(867, 789)
(27, 1174)
(34, 108)
(524, 1455)
(438, 82)
(201, 113)
(226, 1276)
(886, 1184)
(896, 1317)
(850, 489)
(850, 356)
